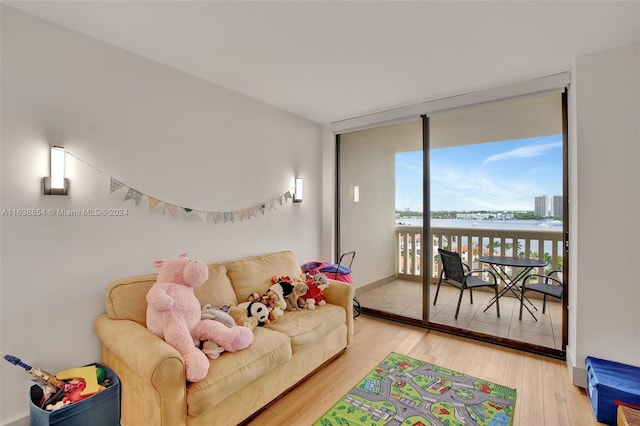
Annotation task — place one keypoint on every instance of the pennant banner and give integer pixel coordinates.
(205, 216)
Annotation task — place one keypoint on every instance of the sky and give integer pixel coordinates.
(490, 176)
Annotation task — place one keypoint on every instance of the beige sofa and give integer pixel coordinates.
(151, 372)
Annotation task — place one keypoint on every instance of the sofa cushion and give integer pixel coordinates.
(234, 371)
(127, 299)
(217, 290)
(307, 326)
(254, 274)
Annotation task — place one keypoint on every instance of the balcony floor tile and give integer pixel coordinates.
(405, 298)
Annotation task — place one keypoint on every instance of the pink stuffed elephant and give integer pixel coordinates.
(174, 314)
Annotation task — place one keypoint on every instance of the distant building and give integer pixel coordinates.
(556, 206)
(541, 206)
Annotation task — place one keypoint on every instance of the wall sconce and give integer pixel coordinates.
(356, 194)
(56, 183)
(297, 195)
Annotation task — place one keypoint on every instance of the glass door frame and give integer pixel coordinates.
(550, 83)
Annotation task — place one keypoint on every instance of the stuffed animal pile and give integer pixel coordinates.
(317, 284)
(174, 314)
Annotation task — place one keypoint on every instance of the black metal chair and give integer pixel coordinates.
(454, 273)
(547, 285)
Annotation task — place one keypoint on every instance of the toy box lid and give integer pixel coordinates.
(613, 374)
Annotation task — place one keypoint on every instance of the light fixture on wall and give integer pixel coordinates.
(297, 194)
(356, 194)
(56, 183)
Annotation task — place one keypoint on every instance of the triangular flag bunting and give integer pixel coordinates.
(153, 202)
(216, 217)
(134, 195)
(170, 208)
(115, 185)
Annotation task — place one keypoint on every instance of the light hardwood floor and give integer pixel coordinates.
(546, 395)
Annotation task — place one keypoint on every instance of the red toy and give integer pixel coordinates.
(315, 296)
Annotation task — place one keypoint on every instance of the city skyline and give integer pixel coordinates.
(505, 175)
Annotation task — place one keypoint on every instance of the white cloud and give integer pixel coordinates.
(463, 189)
(523, 152)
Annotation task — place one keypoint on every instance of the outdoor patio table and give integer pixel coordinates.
(522, 265)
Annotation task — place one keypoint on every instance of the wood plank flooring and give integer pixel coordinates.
(546, 395)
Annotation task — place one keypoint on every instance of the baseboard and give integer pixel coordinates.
(580, 377)
(578, 374)
(371, 286)
(22, 421)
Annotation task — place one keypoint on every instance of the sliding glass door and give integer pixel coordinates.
(380, 175)
(496, 174)
(482, 180)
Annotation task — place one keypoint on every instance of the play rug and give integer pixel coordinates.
(404, 391)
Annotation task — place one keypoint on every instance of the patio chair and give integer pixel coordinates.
(458, 274)
(547, 285)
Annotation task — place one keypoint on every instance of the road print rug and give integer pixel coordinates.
(408, 392)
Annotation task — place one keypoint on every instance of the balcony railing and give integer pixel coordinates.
(544, 244)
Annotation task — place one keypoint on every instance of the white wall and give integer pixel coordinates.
(605, 203)
(368, 226)
(162, 132)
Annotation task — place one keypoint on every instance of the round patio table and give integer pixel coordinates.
(523, 266)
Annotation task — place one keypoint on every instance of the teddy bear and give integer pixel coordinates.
(240, 316)
(296, 299)
(272, 300)
(315, 296)
(174, 314)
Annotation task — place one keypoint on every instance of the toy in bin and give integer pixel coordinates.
(66, 387)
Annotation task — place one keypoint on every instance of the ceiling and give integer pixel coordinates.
(331, 61)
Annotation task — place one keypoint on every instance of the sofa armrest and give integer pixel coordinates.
(342, 294)
(151, 372)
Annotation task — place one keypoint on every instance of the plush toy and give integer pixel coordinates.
(255, 297)
(209, 347)
(217, 314)
(240, 316)
(315, 296)
(256, 310)
(173, 313)
(296, 299)
(272, 300)
(283, 287)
